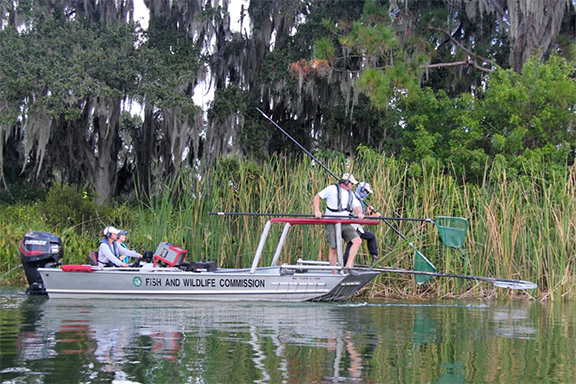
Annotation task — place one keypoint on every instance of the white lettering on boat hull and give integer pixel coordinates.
(243, 283)
(205, 282)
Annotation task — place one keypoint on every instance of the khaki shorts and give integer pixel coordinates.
(348, 233)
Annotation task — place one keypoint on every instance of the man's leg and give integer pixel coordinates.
(372, 244)
(330, 233)
(333, 256)
(350, 235)
(347, 252)
(356, 243)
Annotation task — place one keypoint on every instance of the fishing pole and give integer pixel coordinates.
(450, 242)
(305, 215)
(327, 170)
(297, 215)
(453, 241)
(452, 235)
(297, 143)
(426, 261)
(319, 162)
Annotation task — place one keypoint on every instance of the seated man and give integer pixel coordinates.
(121, 243)
(109, 252)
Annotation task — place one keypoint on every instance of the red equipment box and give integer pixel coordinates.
(170, 254)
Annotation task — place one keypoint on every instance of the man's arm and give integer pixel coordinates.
(358, 212)
(126, 252)
(372, 212)
(317, 212)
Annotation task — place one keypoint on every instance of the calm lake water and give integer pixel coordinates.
(125, 341)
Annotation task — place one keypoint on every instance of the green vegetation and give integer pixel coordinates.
(90, 97)
(521, 226)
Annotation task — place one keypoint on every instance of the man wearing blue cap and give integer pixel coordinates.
(120, 241)
(363, 190)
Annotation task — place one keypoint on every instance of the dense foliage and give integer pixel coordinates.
(91, 98)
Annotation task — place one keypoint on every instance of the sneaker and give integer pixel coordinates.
(350, 271)
(374, 259)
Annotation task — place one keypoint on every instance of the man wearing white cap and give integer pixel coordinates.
(340, 201)
(363, 190)
(109, 252)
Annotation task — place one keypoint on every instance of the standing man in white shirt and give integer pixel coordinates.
(340, 201)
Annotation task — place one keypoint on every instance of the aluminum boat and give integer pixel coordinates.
(169, 276)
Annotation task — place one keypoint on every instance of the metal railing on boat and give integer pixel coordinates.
(302, 221)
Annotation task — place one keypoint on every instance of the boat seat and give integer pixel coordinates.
(93, 258)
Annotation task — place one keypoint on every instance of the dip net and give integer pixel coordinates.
(422, 264)
(452, 230)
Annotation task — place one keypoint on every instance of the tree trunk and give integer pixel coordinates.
(106, 121)
(144, 147)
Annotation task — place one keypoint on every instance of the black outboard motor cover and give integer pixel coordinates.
(39, 250)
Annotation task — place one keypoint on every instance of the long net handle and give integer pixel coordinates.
(499, 282)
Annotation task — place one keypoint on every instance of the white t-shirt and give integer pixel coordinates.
(330, 194)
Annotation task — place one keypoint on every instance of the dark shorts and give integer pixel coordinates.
(348, 234)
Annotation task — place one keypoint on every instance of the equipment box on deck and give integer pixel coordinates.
(170, 254)
(200, 266)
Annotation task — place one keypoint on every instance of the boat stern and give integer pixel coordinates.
(349, 286)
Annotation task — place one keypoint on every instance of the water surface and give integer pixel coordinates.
(130, 341)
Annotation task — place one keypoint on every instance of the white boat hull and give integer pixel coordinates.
(279, 283)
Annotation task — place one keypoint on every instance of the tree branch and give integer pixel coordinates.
(472, 55)
(471, 62)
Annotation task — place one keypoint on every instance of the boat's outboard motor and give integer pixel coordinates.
(39, 250)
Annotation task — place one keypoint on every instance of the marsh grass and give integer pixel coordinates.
(519, 227)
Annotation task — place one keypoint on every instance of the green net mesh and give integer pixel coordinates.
(422, 264)
(452, 230)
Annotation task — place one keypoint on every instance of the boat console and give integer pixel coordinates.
(169, 254)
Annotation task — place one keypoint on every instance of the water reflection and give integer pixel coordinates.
(513, 323)
(452, 374)
(57, 341)
(424, 328)
(339, 347)
(114, 336)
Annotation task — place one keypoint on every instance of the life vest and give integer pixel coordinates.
(362, 203)
(339, 198)
(114, 251)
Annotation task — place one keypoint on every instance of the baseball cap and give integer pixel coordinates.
(349, 177)
(110, 230)
(366, 186)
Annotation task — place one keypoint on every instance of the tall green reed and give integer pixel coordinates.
(520, 226)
